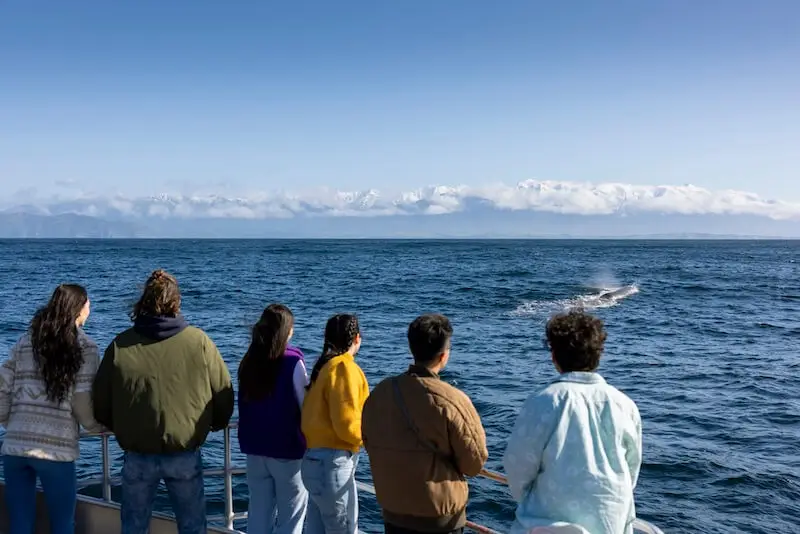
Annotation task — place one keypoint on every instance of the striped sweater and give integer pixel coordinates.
(35, 426)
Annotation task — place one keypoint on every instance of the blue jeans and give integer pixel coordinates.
(60, 493)
(330, 478)
(183, 474)
(275, 486)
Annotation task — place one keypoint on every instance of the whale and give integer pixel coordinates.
(619, 293)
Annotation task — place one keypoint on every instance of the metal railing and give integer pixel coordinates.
(228, 471)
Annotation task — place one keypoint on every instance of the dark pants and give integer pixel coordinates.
(183, 475)
(391, 529)
(58, 483)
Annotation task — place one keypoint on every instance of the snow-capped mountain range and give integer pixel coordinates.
(571, 198)
(527, 209)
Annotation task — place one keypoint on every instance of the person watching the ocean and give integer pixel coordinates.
(574, 455)
(45, 393)
(331, 423)
(272, 385)
(162, 386)
(423, 436)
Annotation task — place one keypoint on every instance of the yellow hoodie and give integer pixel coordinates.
(332, 408)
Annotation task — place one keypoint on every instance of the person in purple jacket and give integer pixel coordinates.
(272, 380)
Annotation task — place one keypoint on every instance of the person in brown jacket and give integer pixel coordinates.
(423, 436)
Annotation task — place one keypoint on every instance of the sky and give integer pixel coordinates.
(150, 97)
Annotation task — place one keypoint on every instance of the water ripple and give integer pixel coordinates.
(708, 348)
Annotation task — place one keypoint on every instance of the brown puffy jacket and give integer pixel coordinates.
(417, 488)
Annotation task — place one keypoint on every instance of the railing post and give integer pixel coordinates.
(106, 469)
(228, 480)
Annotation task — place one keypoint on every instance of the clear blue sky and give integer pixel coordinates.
(152, 96)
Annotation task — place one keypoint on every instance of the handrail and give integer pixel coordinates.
(229, 471)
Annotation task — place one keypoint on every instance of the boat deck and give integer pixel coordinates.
(101, 515)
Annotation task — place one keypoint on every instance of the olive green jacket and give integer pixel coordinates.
(162, 396)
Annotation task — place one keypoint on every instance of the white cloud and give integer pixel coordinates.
(574, 198)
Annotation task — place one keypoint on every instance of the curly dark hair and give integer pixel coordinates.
(258, 370)
(54, 338)
(161, 296)
(341, 332)
(576, 340)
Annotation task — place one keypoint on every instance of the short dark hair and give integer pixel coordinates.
(428, 337)
(576, 340)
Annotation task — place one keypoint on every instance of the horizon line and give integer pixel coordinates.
(653, 237)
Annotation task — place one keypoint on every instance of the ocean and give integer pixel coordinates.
(709, 346)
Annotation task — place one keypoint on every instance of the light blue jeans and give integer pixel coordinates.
(330, 478)
(60, 493)
(276, 488)
(182, 472)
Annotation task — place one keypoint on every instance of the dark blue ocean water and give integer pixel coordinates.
(709, 347)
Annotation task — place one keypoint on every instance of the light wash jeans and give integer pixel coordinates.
(60, 493)
(276, 488)
(182, 472)
(329, 477)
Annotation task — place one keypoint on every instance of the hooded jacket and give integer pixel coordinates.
(162, 386)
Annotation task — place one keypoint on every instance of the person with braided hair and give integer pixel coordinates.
(162, 386)
(45, 392)
(331, 423)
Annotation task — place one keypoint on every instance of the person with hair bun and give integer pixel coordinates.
(45, 393)
(331, 423)
(574, 455)
(162, 386)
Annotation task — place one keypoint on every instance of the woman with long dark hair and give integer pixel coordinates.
(45, 394)
(331, 423)
(272, 381)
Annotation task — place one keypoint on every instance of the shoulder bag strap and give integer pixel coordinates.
(398, 397)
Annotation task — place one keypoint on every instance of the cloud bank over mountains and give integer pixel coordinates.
(565, 198)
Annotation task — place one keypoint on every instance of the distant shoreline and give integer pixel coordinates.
(429, 238)
(492, 225)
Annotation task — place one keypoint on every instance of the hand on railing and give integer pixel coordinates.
(492, 475)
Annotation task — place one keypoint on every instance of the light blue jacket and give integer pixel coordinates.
(573, 457)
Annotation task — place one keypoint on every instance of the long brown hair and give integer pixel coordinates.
(258, 370)
(341, 332)
(54, 338)
(161, 296)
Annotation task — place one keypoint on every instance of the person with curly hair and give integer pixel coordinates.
(331, 423)
(45, 394)
(162, 386)
(574, 455)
